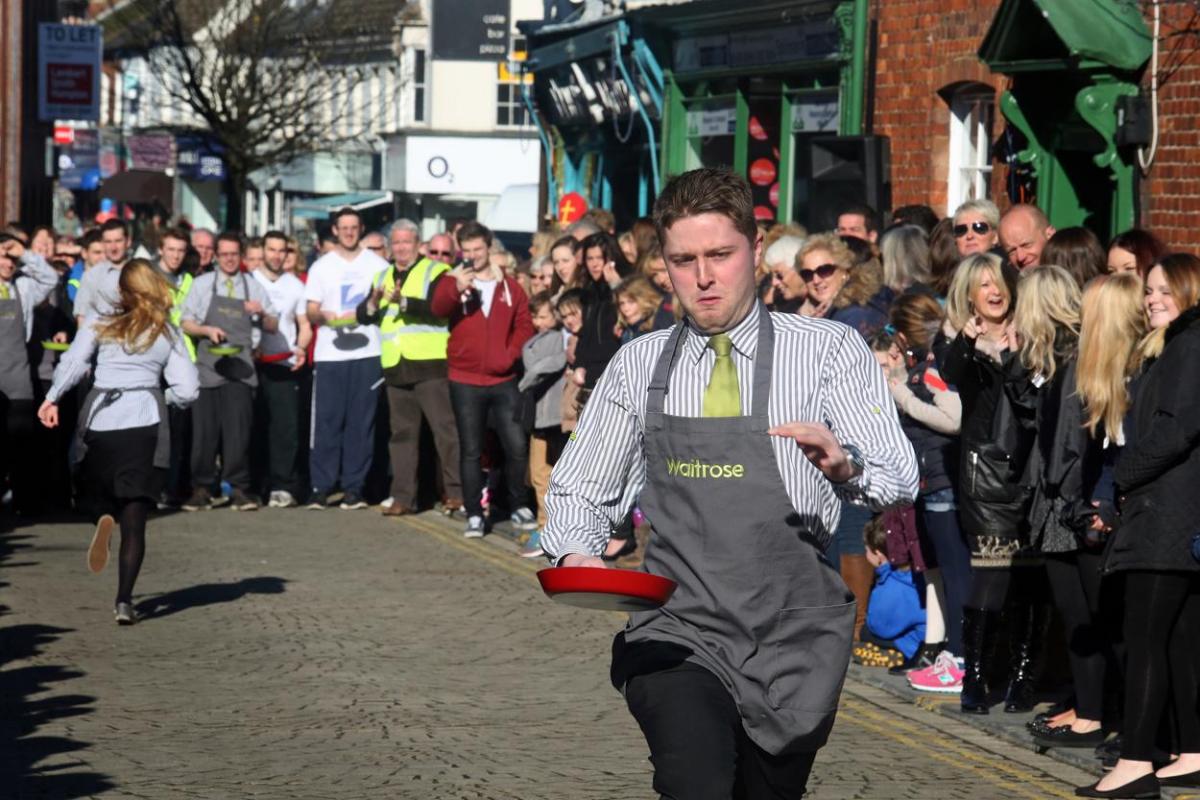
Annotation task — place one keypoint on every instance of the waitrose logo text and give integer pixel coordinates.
(698, 469)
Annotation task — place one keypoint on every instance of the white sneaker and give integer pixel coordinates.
(283, 499)
(474, 528)
(524, 519)
(273, 500)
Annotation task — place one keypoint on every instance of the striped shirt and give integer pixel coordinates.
(822, 372)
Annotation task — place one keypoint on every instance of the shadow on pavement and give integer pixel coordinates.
(22, 752)
(207, 594)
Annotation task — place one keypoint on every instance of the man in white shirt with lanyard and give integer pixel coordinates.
(347, 374)
(737, 433)
(282, 355)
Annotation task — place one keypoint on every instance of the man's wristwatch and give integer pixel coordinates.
(855, 457)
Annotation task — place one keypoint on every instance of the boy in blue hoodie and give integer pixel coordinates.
(895, 616)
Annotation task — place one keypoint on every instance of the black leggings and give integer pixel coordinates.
(1075, 584)
(132, 517)
(993, 587)
(1162, 623)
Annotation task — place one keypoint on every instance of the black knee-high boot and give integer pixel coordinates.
(979, 648)
(1028, 645)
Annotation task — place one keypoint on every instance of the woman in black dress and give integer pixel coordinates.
(123, 439)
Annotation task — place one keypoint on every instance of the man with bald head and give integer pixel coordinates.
(440, 248)
(1024, 231)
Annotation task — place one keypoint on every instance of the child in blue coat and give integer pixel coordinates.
(895, 616)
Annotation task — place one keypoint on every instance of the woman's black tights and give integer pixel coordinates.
(1162, 624)
(133, 546)
(1075, 584)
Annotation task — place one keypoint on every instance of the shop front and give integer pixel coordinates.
(774, 91)
(1076, 69)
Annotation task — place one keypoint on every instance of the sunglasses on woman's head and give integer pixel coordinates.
(980, 228)
(824, 272)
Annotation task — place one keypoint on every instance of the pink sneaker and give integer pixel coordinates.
(945, 676)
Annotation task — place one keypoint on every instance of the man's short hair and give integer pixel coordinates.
(919, 215)
(230, 236)
(706, 191)
(115, 225)
(582, 228)
(280, 235)
(870, 215)
(406, 225)
(175, 233)
(603, 218)
(346, 211)
(203, 232)
(540, 299)
(474, 230)
(254, 242)
(90, 238)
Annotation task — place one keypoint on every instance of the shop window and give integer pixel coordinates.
(970, 177)
(510, 103)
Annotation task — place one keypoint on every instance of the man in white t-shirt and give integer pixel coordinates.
(347, 374)
(281, 360)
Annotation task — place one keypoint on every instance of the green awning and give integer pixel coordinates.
(1028, 35)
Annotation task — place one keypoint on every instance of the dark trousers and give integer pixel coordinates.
(17, 418)
(344, 401)
(954, 560)
(1075, 584)
(698, 745)
(179, 473)
(1162, 623)
(406, 405)
(222, 418)
(472, 406)
(277, 429)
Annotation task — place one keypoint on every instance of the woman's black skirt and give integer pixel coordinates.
(119, 467)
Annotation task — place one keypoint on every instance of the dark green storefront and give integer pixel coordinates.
(1071, 63)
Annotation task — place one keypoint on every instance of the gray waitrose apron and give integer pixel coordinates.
(757, 603)
(228, 314)
(99, 398)
(15, 381)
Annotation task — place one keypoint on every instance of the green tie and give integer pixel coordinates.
(722, 398)
(229, 287)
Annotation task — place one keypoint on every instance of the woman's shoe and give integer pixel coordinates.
(627, 548)
(1065, 737)
(979, 648)
(97, 556)
(1144, 788)
(1190, 780)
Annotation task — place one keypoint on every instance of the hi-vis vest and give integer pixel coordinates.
(404, 335)
(178, 295)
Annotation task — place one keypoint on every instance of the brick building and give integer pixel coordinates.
(940, 105)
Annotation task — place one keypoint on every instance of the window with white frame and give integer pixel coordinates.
(971, 111)
(510, 103)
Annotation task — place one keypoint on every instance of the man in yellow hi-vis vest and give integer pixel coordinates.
(172, 249)
(414, 368)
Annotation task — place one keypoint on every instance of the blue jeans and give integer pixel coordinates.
(475, 407)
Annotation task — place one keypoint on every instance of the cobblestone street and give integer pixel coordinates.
(293, 654)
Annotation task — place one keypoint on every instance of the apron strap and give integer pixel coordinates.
(763, 359)
(657, 393)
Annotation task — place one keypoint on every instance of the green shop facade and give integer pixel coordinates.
(775, 90)
(1074, 101)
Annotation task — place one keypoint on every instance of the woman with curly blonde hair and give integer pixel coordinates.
(840, 287)
(123, 439)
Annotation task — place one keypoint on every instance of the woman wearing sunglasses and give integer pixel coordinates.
(841, 289)
(976, 224)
